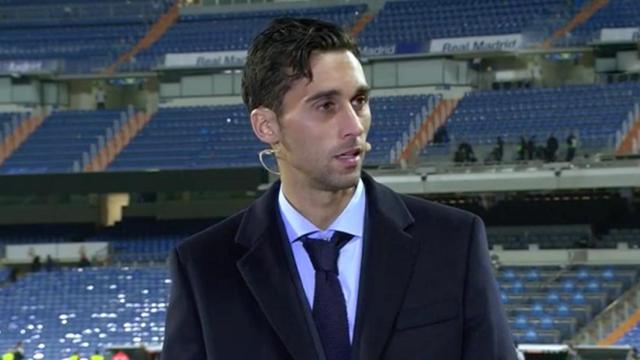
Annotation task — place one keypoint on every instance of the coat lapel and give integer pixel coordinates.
(388, 263)
(266, 272)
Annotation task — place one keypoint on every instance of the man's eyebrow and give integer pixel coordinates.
(361, 90)
(322, 94)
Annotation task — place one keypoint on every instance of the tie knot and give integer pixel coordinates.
(323, 253)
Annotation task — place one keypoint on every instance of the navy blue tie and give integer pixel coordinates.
(329, 306)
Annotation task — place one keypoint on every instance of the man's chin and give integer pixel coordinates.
(346, 180)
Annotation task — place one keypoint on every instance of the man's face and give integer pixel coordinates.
(324, 123)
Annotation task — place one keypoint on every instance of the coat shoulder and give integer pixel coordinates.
(216, 239)
(444, 215)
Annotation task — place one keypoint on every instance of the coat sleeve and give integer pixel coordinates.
(486, 332)
(183, 337)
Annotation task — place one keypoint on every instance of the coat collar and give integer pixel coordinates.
(387, 266)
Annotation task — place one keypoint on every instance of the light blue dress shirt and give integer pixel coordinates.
(350, 221)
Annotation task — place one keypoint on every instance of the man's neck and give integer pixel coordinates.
(320, 207)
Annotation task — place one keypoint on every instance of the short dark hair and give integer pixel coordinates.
(280, 54)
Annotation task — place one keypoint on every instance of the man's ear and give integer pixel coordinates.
(265, 125)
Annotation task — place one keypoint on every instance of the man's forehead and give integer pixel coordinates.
(333, 69)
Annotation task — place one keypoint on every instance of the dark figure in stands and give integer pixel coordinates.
(572, 145)
(18, 351)
(552, 149)
(522, 149)
(101, 98)
(84, 260)
(13, 274)
(531, 148)
(458, 157)
(49, 264)
(498, 151)
(36, 264)
(464, 153)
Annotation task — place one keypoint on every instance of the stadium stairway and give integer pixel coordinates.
(581, 17)
(373, 7)
(630, 143)
(65, 141)
(427, 130)
(611, 325)
(120, 139)
(618, 333)
(547, 304)
(16, 131)
(155, 32)
(616, 14)
(205, 31)
(362, 22)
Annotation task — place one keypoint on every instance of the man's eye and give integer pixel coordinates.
(326, 106)
(359, 102)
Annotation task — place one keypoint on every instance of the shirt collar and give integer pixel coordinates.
(350, 221)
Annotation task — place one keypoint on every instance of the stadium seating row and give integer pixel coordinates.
(219, 136)
(595, 114)
(88, 36)
(187, 137)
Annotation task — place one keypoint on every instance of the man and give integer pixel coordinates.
(101, 98)
(572, 145)
(551, 149)
(498, 150)
(18, 351)
(412, 279)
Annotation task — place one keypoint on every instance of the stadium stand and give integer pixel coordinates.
(140, 240)
(407, 22)
(80, 37)
(87, 37)
(81, 309)
(615, 14)
(546, 237)
(548, 304)
(192, 137)
(593, 113)
(219, 136)
(395, 118)
(197, 32)
(61, 140)
(73, 309)
(629, 236)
